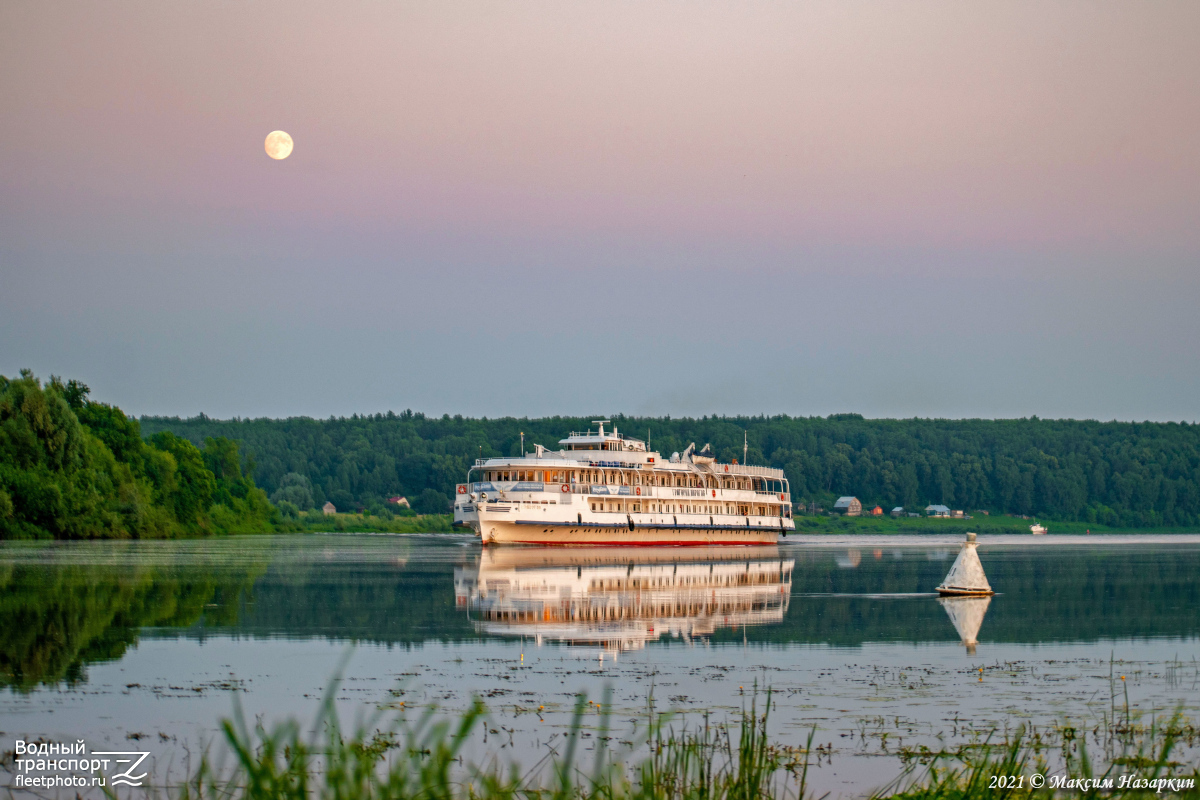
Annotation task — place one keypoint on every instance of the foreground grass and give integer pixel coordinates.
(425, 759)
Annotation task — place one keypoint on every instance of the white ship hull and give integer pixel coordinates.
(528, 526)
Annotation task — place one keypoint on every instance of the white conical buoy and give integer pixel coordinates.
(966, 574)
(966, 614)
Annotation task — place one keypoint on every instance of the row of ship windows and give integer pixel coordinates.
(687, 508)
(577, 613)
(617, 507)
(615, 477)
(690, 581)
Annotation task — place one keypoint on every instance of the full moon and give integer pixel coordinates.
(279, 145)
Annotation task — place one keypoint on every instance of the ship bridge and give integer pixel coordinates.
(599, 440)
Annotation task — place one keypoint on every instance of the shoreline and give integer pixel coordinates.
(979, 524)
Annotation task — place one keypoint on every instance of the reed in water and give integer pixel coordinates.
(425, 759)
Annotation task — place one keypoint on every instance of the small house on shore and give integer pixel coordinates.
(937, 511)
(898, 511)
(330, 509)
(850, 506)
(399, 501)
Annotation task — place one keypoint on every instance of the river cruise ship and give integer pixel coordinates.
(603, 488)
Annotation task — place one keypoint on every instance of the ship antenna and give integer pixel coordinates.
(522, 444)
(745, 448)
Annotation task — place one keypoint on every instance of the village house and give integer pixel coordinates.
(329, 508)
(399, 501)
(850, 506)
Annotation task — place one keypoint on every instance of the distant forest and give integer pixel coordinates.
(1111, 473)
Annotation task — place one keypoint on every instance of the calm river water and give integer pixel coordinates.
(146, 645)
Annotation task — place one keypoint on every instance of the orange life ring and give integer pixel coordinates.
(565, 488)
(638, 490)
(727, 468)
(714, 492)
(462, 489)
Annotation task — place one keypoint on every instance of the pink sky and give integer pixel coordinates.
(903, 140)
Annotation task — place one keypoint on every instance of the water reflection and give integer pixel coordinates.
(619, 598)
(967, 615)
(850, 560)
(65, 606)
(58, 613)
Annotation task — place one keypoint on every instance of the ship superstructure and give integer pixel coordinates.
(603, 488)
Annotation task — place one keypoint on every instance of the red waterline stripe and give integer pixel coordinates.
(627, 543)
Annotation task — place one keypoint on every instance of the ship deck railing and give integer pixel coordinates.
(624, 490)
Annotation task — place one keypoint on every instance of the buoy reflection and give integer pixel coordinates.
(967, 613)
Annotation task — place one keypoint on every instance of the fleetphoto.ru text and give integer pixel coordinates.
(55, 765)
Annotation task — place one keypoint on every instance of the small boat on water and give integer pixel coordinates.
(1037, 529)
(966, 576)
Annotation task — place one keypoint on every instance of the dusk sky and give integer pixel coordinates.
(497, 208)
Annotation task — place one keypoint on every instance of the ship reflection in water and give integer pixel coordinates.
(619, 598)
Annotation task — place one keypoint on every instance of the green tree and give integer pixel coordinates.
(431, 501)
(296, 489)
(188, 485)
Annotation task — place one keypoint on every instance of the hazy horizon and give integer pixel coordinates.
(494, 209)
(611, 418)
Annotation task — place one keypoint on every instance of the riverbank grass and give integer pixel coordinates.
(317, 522)
(425, 759)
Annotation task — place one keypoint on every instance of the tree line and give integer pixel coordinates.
(73, 468)
(1123, 474)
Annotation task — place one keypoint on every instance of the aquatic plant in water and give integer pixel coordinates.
(424, 758)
